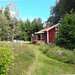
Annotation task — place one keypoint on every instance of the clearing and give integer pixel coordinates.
(29, 60)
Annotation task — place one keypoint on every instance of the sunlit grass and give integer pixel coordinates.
(29, 60)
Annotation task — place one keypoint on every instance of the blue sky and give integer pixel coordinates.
(30, 9)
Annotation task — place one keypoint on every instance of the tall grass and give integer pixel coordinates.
(58, 53)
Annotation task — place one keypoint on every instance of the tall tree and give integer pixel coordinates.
(4, 28)
(36, 25)
(7, 13)
(12, 23)
(66, 36)
(27, 28)
(61, 8)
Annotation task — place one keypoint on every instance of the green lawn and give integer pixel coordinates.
(29, 60)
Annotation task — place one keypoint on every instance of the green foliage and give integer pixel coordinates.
(27, 28)
(5, 59)
(36, 25)
(6, 13)
(29, 60)
(60, 9)
(24, 30)
(57, 53)
(44, 47)
(4, 27)
(53, 20)
(7, 27)
(11, 28)
(66, 37)
(63, 7)
(23, 59)
(61, 54)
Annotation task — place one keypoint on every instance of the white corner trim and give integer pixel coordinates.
(47, 37)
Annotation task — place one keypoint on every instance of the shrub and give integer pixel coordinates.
(66, 37)
(43, 47)
(5, 59)
(58, 53)
(61, 54)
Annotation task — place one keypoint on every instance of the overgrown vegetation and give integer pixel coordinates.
(27, 28)
(30, 60)
(64, 13)
(66, 36)
(57, 53)
(23, 58)
(39, 59)
(6, 58)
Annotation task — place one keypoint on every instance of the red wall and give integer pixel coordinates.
(52, 35)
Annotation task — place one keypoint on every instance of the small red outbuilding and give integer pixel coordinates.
(47, 35)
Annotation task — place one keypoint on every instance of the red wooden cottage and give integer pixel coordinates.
(47, 35)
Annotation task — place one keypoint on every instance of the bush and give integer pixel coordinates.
(57, 53)
(5, 59)
(43, 47)
(66, 37)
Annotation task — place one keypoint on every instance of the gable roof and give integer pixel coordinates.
(46, 29)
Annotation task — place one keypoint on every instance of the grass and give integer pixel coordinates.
(29, 60)
(58, 53)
